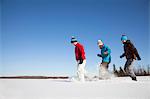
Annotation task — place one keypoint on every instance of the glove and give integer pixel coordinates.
(106, 53)
(121, 56)
(138, 58)
(99, 55)
(80, 61)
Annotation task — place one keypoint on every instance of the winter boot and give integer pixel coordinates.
(134, 79)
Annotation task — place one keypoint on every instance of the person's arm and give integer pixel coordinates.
(137, 54)
(82, 54)
(99, 55)
(122, 55)
(135, 51)
(107, 51)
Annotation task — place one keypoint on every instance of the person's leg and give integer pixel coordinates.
(129, 69)
(81, 71)
(128, 62)
(103, 71)
(107, 66)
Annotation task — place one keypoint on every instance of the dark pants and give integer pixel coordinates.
(129, 68)
(105, 64)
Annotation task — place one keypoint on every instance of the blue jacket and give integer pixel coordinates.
(106, 58)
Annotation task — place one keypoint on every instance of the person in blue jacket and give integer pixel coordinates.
(106, 59)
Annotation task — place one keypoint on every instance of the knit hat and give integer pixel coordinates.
(73, 39)
(100, 42)
(124, 37)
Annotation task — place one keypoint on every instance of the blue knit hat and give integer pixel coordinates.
(73, 39)
(124, 37)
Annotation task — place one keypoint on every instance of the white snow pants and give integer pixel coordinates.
(81, 71)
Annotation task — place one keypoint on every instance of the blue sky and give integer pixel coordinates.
(36, 33)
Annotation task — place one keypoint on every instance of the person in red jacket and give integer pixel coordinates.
(80, 58)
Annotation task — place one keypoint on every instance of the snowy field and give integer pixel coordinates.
(116, 88)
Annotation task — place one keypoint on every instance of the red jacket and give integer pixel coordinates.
(79, 52)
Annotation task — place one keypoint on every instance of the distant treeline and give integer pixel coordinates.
(33, 77)
(139, 71)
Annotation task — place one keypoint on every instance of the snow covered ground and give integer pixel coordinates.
(116, 88)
